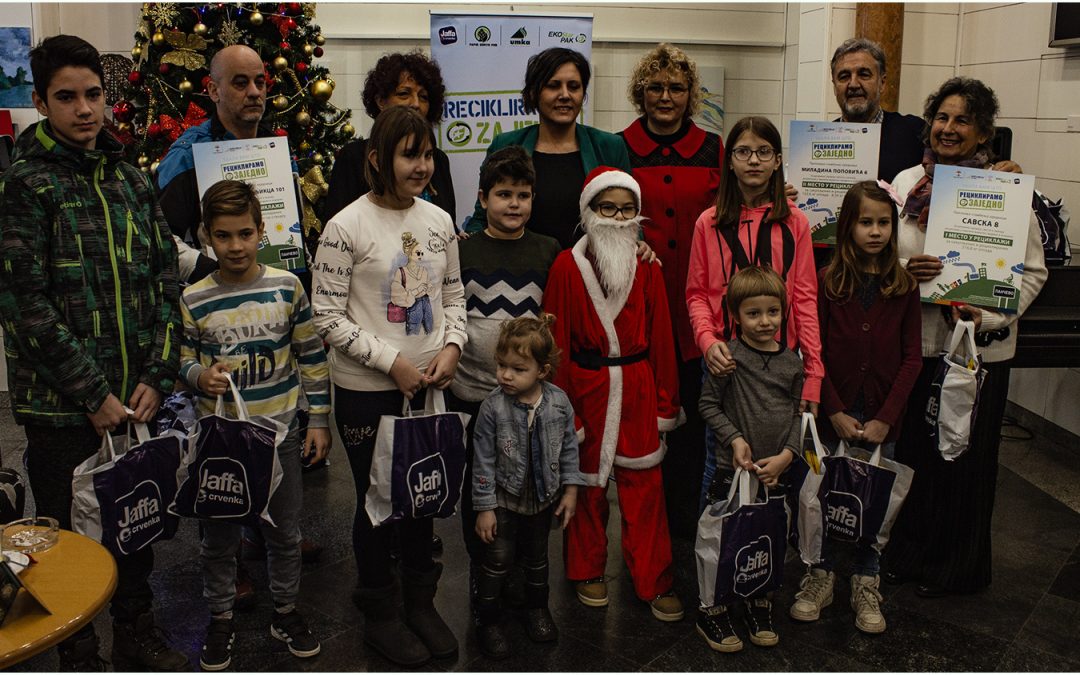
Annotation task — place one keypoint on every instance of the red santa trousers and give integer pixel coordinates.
(646, 544)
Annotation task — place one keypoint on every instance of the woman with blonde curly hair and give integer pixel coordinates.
(678, 165)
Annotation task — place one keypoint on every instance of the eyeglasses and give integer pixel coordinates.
(608, 210)
(742, 153)
(675, 90)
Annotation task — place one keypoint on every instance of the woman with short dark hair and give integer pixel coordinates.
(410, 79)
(563, 151)
(941, 538)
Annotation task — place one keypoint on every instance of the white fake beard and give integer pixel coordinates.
(613, 244)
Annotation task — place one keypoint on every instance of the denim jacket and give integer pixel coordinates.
(500, 453)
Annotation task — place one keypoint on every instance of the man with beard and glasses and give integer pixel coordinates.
(612, 320)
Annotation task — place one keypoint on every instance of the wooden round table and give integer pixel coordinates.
(74, 578)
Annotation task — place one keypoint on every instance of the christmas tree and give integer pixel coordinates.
(166, 88)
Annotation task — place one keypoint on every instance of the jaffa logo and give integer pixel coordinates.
(427, 485)
(843, 515)
(482, 33)
(223, 491)
(753, 566)
(448, 35)
(138, 517)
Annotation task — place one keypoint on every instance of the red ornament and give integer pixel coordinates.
(163, 69)
(290, 24)
(295, 9)
(135, 77)
(285, 46)
(154, 130)
(301, 67)
(123, 111)
(281, 132)
(318, 52)
(205, 81)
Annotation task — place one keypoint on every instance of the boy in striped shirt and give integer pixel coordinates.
(253, 323)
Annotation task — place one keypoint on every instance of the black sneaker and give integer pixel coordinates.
(217, 649)
(293, 631)
(759, 622)
(714, 624)
(80, 655)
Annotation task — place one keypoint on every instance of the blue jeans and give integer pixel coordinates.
(867, 559)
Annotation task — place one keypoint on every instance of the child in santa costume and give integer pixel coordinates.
(614, 324)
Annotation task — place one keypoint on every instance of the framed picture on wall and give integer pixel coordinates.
(711, 115)
(16, 82)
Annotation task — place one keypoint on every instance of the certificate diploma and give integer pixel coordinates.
(264, 163)
(978, 228)
(826, 159)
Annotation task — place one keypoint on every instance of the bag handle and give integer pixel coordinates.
(142, 431)
(434, 400)
(808, 421)
(961, 329)
(745, 487)
(241, 407)
(875, 456)
(107, 451)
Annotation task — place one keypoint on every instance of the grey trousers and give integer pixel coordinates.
(221, 540)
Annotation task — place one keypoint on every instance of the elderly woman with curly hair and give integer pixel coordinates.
(678, 165)
(942, 536)
(411, 80)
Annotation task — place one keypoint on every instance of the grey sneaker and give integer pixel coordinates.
(815, 594)
(866, 603)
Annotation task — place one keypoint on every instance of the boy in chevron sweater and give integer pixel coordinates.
(504, 270)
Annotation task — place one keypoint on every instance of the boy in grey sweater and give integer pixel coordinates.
(755, 414)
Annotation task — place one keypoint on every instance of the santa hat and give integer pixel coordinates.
(605, 177)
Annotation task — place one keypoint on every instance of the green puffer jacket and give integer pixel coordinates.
(88, 280)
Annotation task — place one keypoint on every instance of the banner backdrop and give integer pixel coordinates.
(483, 59)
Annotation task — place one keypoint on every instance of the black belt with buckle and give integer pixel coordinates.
(592, 360)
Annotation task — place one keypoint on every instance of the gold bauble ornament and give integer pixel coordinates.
(320, 40)
(330, 81)
(281, 63)
(154, 167)
(280, 102)
(124, 126)
(348, 130)
(144, 160)
(136, 51)
(158, 39)
(185, 87)
(256, 19)
(308, 50)
(200, 29)
(304, 146)
(321, 90)
(303, 118)
(317, 158)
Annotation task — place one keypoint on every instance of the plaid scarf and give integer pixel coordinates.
(918, 200)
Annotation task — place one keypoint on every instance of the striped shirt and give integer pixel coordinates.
(263, 331)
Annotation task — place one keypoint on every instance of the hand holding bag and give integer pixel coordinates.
(954, 394)
(120, 495)
(418, 464)
(740, 544)
(860, 499)
(234, 470)
(805, 478)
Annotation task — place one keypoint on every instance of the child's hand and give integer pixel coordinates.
(316, 444)
(442, 368)
(791, 192)
(718, 359)
(846, 426)
(486, 526)
(214, 381)
(741, 456)
(808, 406)
(773, 467)
(874, 432)
(645, 252)
(924, 267)
(406, 376)
(567, 505)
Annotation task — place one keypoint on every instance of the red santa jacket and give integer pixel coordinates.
(678, 182)
(620, 409)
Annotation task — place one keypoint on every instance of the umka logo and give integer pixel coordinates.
(427, 485)
(139, 517)
(753, 566)
(843, 515)
(448, 35)
(520, 37)
(223, 489)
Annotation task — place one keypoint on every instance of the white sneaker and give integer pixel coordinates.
(815, 595)
(865, 602)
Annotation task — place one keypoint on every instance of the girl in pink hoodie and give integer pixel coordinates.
(753, 223)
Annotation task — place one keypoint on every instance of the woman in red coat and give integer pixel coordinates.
(677, 164)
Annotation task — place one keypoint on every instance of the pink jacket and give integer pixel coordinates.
(712, 264)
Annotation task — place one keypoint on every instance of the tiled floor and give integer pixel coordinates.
(1028, 620)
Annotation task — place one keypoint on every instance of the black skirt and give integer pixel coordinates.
(942, 534)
